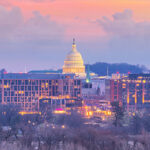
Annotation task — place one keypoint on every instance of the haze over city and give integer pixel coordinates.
(74, 74)
(37, 34)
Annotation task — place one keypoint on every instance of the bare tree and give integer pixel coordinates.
(118, 114)
(9, 115)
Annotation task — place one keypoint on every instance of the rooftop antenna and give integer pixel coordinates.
(107, 71)
(25, 70)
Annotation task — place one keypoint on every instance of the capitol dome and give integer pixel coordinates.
(74, 62)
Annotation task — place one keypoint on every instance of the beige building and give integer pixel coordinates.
(74, 63)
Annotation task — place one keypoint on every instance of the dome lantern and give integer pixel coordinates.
(74, 46)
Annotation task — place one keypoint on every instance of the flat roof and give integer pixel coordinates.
(135, 76)
(35, 76)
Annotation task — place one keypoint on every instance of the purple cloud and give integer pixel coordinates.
(123, 24)
(128, 40)
(33, 43)
(14, 27)
(9, 22)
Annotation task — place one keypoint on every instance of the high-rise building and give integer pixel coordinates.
(27, 90)
(132, 91)
(74, 63)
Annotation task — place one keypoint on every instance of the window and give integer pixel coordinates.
(5, 82)
(22, 88)
(12, 93)
(26, 82)
(19, 82)
(78, 82)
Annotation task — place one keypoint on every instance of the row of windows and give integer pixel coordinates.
(30, 88)
(28, 82)
(20, 99)
(37, 82)
(34, 88)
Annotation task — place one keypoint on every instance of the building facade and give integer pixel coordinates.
(132, 91)
(97, 88)
(27, 90)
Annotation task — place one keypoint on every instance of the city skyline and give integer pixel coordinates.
(38, 34)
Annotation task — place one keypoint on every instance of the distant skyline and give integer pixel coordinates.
(37, 34)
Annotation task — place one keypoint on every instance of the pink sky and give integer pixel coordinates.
(34, 32)
(78, 15)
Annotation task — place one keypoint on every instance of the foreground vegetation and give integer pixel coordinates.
(70, 132)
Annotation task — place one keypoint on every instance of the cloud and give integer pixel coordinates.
(9, 22)
(13, 26)
(123, 24)
(4, 3)
(128, 40)
(40, 27)
(34, 42)
(126, 15)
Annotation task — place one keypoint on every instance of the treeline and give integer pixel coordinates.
(133, 123)
(102, 68)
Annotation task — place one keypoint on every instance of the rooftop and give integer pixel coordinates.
(35, 76)
(136, 76)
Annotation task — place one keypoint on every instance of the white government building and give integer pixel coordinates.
(74, 63)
